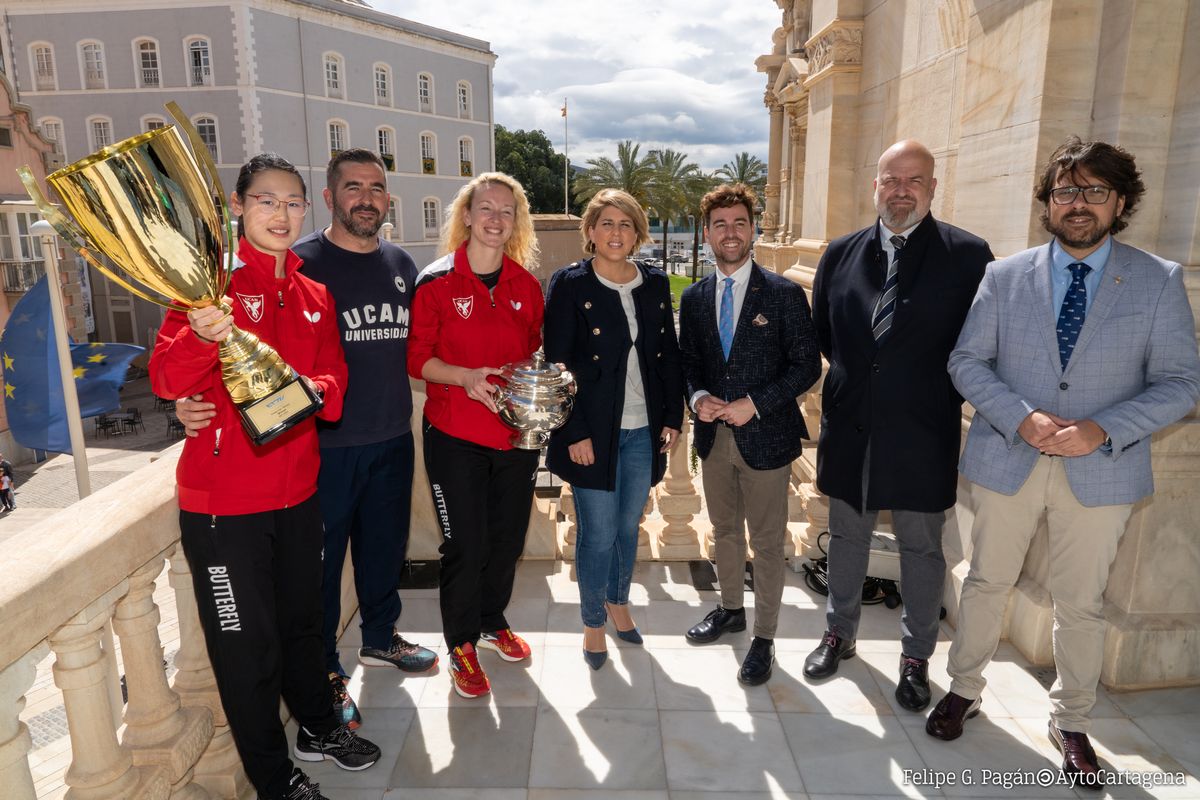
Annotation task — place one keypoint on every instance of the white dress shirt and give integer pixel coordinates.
(741, 282)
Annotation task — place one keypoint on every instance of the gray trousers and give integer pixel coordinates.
(734, 492)
(922, 572)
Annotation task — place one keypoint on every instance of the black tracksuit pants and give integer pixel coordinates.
(482, 498)
(257, 579)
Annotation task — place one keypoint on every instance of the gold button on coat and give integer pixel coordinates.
(595, 331)
(587, 304)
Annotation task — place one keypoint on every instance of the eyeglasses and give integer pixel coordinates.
(269, 204)
(1093, 195)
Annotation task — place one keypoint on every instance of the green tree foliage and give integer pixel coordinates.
(629, 172)
(529, 157)
(670, 175)
(746, 169)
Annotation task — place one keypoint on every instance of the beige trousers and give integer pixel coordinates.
(1083, 543)
(735, 492)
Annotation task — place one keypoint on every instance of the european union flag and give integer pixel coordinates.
(33, 393)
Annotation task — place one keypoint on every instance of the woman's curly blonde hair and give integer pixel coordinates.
(521, 247)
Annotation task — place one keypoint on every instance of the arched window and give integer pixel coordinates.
(153, 123)
(199, 62)
(383, 85)
(91, 61)
(464, 100)
(466, 157)
(145, 60)
(45, 77)
(206, 126)
(339, 136)
(425, 93)
(393, 216)
(431, 216)
(100, 132)
(428, 154)
(335, 70)
(385, 139)
(52, 129)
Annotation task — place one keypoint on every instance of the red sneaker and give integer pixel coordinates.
(510, 646)
(469, 678)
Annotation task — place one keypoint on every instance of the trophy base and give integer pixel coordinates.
(269, 416)
(530, 440)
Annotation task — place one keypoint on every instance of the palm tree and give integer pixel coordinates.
(671, 173)
(628, 172)
(746, 169)
(695, 188)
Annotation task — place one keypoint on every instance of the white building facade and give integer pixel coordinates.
(303, 78)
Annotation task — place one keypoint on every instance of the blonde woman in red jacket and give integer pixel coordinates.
(248, 515)
(476, 309)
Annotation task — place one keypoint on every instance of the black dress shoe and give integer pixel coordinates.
(948, 716)
(912, 691)
(1079, 759)
(718, 621)
(756, 668)
(823, 662)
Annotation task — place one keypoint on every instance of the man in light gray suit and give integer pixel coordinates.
(1073, 354)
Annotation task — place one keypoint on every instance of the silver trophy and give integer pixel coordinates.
(534, 398)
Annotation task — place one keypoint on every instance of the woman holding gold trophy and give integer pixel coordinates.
(250, 523)
(476, 310)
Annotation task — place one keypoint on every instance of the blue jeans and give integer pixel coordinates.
(606, 543)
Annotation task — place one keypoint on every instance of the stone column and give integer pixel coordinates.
(15, 743)
(566, 505)
(679, 502)
(219, 769)
(157, 729)
(797, 133)
(770, 217)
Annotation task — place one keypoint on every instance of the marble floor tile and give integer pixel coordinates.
(387, 728)
(1178, 735)
(704, 679)
(408, 793)
(777, 794)
(513, 683)
(885, 670)
(597, 748)
(667, 621)
(486, 747)
(535, 579)
(388, 687)
(727, 751)
(598, 794)
(858, 754)
(1158, 701)
(625, 681)
(851, 690)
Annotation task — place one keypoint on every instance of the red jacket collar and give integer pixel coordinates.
(463, 267)
(263, 264)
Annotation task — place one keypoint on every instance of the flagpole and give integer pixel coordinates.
(45, 231)
(566, 162)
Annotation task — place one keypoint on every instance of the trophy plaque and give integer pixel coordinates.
(145, 203)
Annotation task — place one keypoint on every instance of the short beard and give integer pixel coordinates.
(357, 228)
(1062, 235)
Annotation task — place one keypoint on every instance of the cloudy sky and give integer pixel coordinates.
(675, 73)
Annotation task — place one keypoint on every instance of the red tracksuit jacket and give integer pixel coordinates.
(221, 471)
(456, 319)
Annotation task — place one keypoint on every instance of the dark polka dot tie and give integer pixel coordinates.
(1072, 313)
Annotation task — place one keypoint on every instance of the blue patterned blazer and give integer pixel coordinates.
(1134, 370)
(774, 359)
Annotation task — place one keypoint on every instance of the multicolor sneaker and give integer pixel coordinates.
(510, 646)
(405, 655)
(469, 679)
(341, 745)
(344, 707)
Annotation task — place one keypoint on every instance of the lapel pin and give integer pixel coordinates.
(759, 320)
(1117, 279)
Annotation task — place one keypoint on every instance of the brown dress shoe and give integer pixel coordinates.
(947, 718)
(1079, 759)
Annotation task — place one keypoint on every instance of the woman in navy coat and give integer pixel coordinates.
(609, 320)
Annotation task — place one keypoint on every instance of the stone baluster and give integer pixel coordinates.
(15, 742)
(219, 769)
(566, 504)
(158, 730)
(679, 502)
(644, 552)
(100, 768)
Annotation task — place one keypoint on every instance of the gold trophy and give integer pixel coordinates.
(145, 204)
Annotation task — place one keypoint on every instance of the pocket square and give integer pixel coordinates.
(759, 321)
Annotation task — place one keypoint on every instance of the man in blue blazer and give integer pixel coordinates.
(749, 351)
(888, 303)
(1073, 354)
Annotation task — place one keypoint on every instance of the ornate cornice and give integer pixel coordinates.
(836, 46)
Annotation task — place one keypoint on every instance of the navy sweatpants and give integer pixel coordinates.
(366, 499)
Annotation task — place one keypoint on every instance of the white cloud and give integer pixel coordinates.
(679, 74)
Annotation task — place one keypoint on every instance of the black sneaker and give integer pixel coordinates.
(300, 788)
(405, 655)
(344, 707)
(341, 745)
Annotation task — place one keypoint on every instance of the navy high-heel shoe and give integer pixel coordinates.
(595, 660)
(633, 635)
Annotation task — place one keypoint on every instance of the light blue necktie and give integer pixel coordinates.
(725, 318)
(1072, 313)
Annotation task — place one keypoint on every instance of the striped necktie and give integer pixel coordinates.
(885, 307)
(1072, 313)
